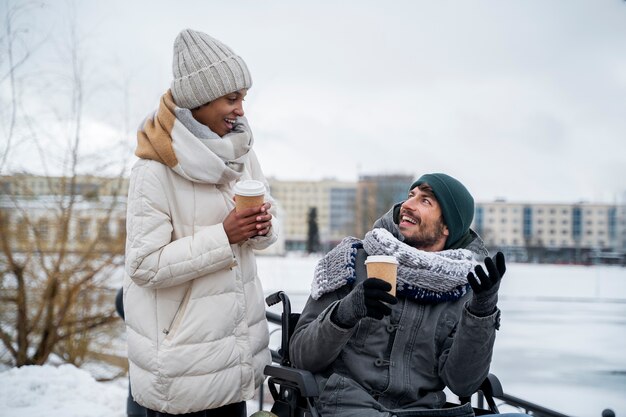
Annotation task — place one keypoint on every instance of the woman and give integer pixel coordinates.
(197, 335)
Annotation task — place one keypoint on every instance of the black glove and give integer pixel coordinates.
(366, 299)
(485, 296)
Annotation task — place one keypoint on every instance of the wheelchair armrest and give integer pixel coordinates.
(492, 387)
(299, 378)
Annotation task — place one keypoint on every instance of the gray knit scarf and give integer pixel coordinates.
(209, 159)
(429, 277)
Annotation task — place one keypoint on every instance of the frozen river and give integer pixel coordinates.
(562, 343)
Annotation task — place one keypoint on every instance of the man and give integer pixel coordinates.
(377, 355)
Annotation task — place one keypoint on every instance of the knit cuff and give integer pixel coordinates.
(351, 309)
(482, 306)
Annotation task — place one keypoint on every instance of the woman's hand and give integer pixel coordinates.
(241, 226)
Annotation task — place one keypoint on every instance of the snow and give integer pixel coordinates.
(562, 345)
(63, 391)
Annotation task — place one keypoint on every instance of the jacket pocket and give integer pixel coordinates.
(344, 397)
(170, 332)
(330, 395)
(464, 410)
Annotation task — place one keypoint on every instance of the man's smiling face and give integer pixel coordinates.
(421, 222)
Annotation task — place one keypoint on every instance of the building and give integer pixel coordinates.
(578, 232)
(31, 213)
(376, 194)
(343, 208)
(88, 186)
(48, 214)
(333, 200)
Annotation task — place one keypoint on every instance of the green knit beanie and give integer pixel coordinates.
(457, 204)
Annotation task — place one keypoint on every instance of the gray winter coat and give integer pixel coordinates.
(398, 365)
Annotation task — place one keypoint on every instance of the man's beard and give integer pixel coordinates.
(426, 237)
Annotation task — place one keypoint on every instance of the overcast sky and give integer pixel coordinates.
(524, 100)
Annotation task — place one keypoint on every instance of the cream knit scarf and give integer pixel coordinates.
(428, 277)
(165, 139)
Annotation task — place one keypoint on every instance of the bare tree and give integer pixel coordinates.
(13, 59)
(58, 251)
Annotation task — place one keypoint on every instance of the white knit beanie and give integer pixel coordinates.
(205, 69)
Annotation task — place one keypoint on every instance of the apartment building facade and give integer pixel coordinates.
(83, 214)
(87, 186)
(333, 200)
(30, 209)
(578, 232)
(343, 208)
(376, 194)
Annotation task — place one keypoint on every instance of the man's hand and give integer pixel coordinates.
(367, 299)
(240, 226)
(485, 296)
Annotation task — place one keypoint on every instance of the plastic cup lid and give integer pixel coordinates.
(249, 188)
(382, 258)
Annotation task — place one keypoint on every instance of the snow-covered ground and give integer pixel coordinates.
(562, 344)
(64, 391)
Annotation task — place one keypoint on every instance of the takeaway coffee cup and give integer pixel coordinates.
(383, 267)
(249, 193)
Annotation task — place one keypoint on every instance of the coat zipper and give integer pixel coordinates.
(178, 315)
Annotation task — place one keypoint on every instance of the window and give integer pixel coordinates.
(22, 231)
(104, 231)
(576, 222)
(121, 228)
(43, 229)
(83, 230)
(527, 222)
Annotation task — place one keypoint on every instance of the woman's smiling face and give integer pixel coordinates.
(220, 114)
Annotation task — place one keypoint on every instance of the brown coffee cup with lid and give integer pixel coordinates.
(383, 267)
(249, 193)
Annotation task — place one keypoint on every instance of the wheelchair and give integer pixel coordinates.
(295, 391)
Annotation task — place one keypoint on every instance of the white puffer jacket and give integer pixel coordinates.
(197, 334)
